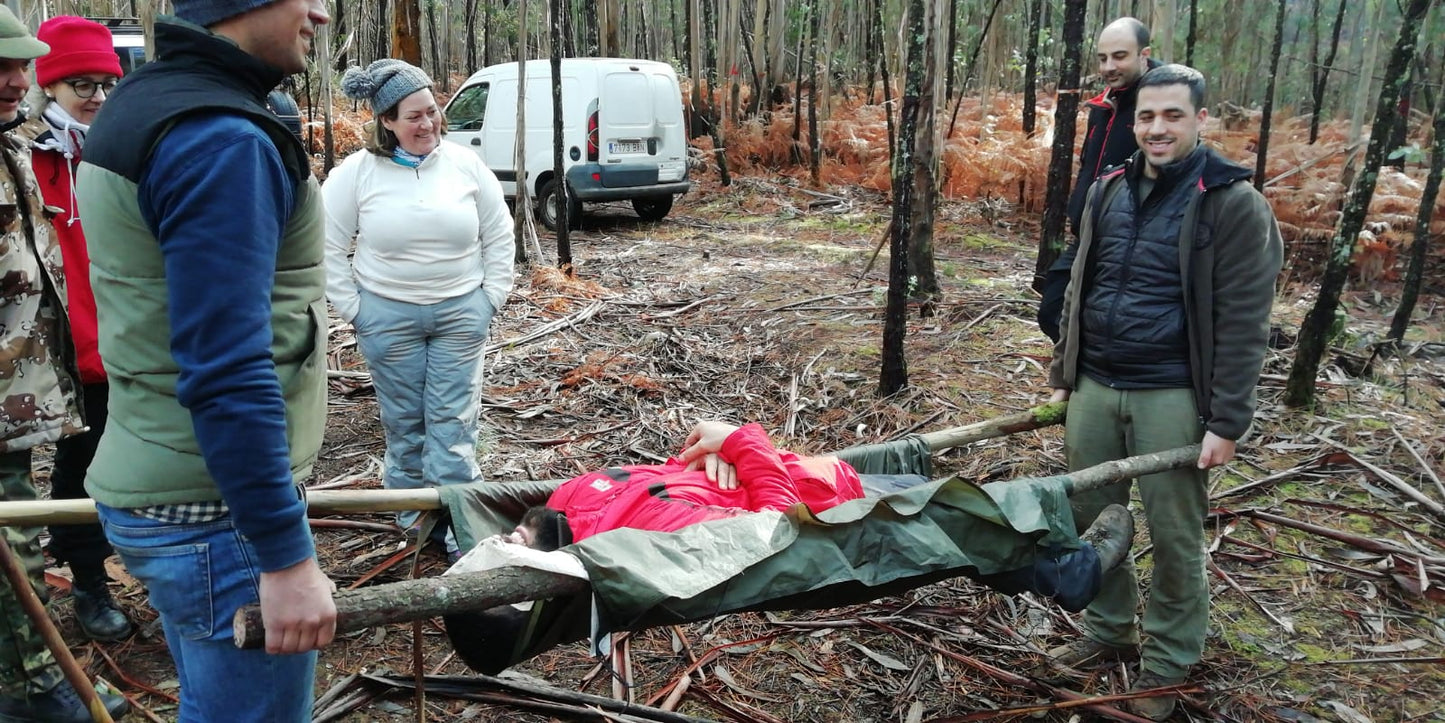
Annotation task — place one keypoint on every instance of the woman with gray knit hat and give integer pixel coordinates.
(433, 263)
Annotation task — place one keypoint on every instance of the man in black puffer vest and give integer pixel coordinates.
(1123, 53)
(1165, 324)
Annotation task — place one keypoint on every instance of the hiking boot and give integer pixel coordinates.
(1111, 535)
(60, 704)
(1082, 654)
(98, 615)
(1158, 707)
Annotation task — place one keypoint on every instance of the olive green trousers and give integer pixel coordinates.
(1106, 424)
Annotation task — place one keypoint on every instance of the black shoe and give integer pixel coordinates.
(1111, 535)
(60, 704)
(98, 616)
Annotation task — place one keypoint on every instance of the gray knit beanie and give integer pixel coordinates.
(385, 82)
(206, 13)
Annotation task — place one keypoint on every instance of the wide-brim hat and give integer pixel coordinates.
(16, 42)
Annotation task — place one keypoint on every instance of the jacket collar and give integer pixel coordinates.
(1112, 99)
(1212, 169)
(179, 41)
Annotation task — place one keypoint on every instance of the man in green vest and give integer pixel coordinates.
(206, 252)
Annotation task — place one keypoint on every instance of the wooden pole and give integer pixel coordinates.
(35, 610)
(423, 598)
(41, 513)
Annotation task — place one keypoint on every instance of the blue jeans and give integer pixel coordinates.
(198, 575)
(426, 365)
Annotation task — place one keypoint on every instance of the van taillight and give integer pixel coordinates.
(592, 136)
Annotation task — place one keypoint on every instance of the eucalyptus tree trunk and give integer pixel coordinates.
(438, 61)
(922, 275)
(1421, 245)
(469, 26)
(382, 46)
(406, 31)
(608, 31)
(1061, 162)
(523, 200)
(1300, 388)
(814, 149)
(894, 374)
(340, 21)
(797, 147)
(1321, 73)
(323, 65)
(887, 82)
(1162, 39)
(1262, 154)
(1031, 68)
(1193, 26)
(564, 192)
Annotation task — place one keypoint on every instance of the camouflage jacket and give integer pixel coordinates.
(37, 383)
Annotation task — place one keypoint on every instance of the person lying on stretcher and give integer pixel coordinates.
(723, 471)
(727, 471)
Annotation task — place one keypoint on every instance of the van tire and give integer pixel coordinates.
(652, 208)
(547, 207)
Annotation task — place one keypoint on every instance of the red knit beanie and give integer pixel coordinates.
(77, 46)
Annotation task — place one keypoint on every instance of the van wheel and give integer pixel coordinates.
(652, 208)
(547, 207)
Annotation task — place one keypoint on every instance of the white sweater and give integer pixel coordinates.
(423, 235)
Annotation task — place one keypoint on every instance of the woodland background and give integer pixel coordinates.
(759, 299)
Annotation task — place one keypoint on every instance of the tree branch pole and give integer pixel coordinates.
(43, 513)
(410, 600)
(423, 598)
(35, 610)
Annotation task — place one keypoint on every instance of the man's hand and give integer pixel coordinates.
(1215, 450)
(1060, 395)
(707, 437)
(297, 608)
(724, 474)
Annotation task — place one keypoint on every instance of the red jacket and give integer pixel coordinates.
(55, 177)
(667, 497)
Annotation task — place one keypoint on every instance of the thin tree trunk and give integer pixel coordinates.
(1322, 74)
(797, 148)
(1313, 335)
(469, 23)
(438, 63)
(887, 83)
(972, 65)
(952, 48)
(1066, 113)
(925, 181)
(1421, 245)
(894, 373)
(1262, 155)
(1031, 68)
(1193, 25)
(814, 145)
(323, 65)
(564, 191)
(523, 196)
(339, 20)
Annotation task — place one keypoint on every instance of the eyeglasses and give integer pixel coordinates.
(86, 88)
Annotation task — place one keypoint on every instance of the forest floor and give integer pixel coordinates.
(752, 303)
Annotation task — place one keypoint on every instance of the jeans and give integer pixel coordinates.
(426, 365)
(198, 575)
(1106, 424)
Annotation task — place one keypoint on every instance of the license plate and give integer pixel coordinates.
(616, 147)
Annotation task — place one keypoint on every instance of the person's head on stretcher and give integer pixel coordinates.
(722, 471)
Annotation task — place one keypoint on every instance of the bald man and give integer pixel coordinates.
(1124, 56)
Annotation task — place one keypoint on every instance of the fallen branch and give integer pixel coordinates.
(1038, 417)
(578, 704)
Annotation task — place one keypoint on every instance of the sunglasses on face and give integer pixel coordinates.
(86, 88)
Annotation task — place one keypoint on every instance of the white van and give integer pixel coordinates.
(622, 132)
